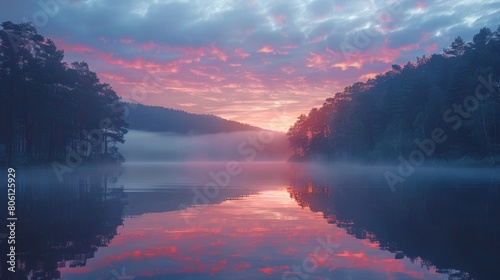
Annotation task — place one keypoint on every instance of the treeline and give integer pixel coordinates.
(442, 107)
(50, 109)
(160, 119)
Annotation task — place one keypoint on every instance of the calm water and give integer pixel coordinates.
(267, 221)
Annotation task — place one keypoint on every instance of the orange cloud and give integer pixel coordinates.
(320, 61)
(368, 76)
(266, 49)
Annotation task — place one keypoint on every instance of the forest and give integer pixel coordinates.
(444, 107)
(50, 109)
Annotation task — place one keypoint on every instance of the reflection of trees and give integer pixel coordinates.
(138, 203)
(449, 224)
(62, 225)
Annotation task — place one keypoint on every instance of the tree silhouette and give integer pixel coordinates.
(49, 106)
(380, 119)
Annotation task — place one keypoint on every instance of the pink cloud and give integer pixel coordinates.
(240, 267)
(111, 76)
(287, 69)
(317, 39)
(81, 48)
(217, 52)
(267, 270)
(192, 51)
(210, 76)
(187, 104)
(425, 36)
(421, 6)
(321, 61)
(204, 70)
(240, 53)
(280, 19)
(367, 76)
(270, 50)
(266, 49)
(431, 48)
(78, 48)
(149, 46)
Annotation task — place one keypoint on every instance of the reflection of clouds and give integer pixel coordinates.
(257, 236)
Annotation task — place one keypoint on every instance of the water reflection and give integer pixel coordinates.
(61, 225)
(255, 229)
(449, 219)
(161, 187)
(272, 222)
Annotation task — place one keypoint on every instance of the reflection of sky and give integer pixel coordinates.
(257, 237)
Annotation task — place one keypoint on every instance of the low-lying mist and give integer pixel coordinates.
(142, 146)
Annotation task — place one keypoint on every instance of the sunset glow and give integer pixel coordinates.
(259, 62)
(268, 229)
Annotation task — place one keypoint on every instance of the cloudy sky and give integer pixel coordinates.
(254, 61)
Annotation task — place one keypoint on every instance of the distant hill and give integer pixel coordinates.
(160, 119)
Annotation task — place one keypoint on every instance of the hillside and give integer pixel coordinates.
(443, 107)
(160, 119)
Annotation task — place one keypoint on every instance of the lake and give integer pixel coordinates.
(218, 220)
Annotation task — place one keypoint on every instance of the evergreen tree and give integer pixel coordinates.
(48, 106)
(382, 118)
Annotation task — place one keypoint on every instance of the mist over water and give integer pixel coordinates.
(194, 156)
(146, 176)
(141, 146)
(434, 172)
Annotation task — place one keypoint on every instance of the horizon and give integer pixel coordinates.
(261, 64)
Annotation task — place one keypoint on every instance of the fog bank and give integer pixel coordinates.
(142, 146)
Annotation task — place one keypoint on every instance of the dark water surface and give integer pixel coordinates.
(255, 221)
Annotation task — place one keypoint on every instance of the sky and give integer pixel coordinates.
(253, 61)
